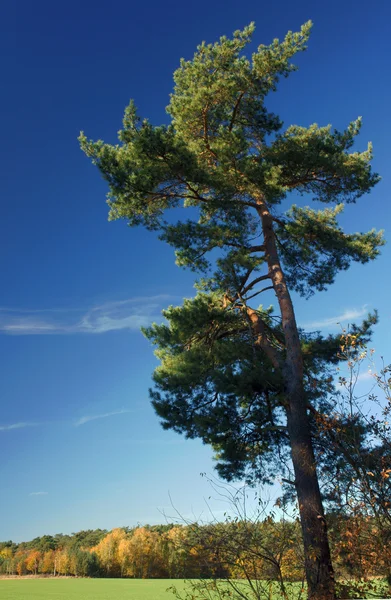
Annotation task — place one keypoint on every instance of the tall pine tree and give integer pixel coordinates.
(229, 159)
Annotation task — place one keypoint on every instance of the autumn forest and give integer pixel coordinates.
(267, 550)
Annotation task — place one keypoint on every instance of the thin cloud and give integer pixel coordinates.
(130, 314)
(38, 493)
(347, 316)
(366, 376)
(20, 425)
(88, 418)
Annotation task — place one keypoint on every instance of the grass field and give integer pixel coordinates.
(87, 589)
(101, 589)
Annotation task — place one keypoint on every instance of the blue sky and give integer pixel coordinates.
(80, 446)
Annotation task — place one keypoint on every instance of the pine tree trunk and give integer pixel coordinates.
(318, 566)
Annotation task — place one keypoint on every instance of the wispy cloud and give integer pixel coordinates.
(20, 425)
(366, 376)
(347, 316)
(130, 314)
(38, 493)
(88, 418)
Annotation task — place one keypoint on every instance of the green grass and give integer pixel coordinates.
(102, 589)
(86, 589)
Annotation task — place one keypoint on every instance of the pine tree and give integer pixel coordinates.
(228, 159)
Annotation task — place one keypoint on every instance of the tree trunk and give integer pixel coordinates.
(318, 566)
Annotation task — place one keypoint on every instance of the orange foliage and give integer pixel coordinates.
(32, 561)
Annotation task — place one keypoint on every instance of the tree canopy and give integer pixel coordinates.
(223, 150)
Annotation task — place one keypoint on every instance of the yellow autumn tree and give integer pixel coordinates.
(6, 556)
(176, 552)
(47, 564)
(107, 552)
(146, 554)
(62, 562)
(124, 555)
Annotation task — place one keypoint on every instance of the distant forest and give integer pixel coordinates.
(267, 549)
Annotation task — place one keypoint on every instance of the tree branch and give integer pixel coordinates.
(269, 287)
(254, 282)
(289, 481)
(235, 110)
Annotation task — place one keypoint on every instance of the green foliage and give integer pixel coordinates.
(314, 247)
(88, 538)
(86, 563)
(223, 150)
(212, 370)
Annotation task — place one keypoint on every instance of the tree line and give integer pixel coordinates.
(267, 550)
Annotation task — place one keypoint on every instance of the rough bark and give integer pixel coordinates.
(318, 566)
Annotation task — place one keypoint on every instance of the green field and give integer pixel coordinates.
(87, 589)
(101, 589)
